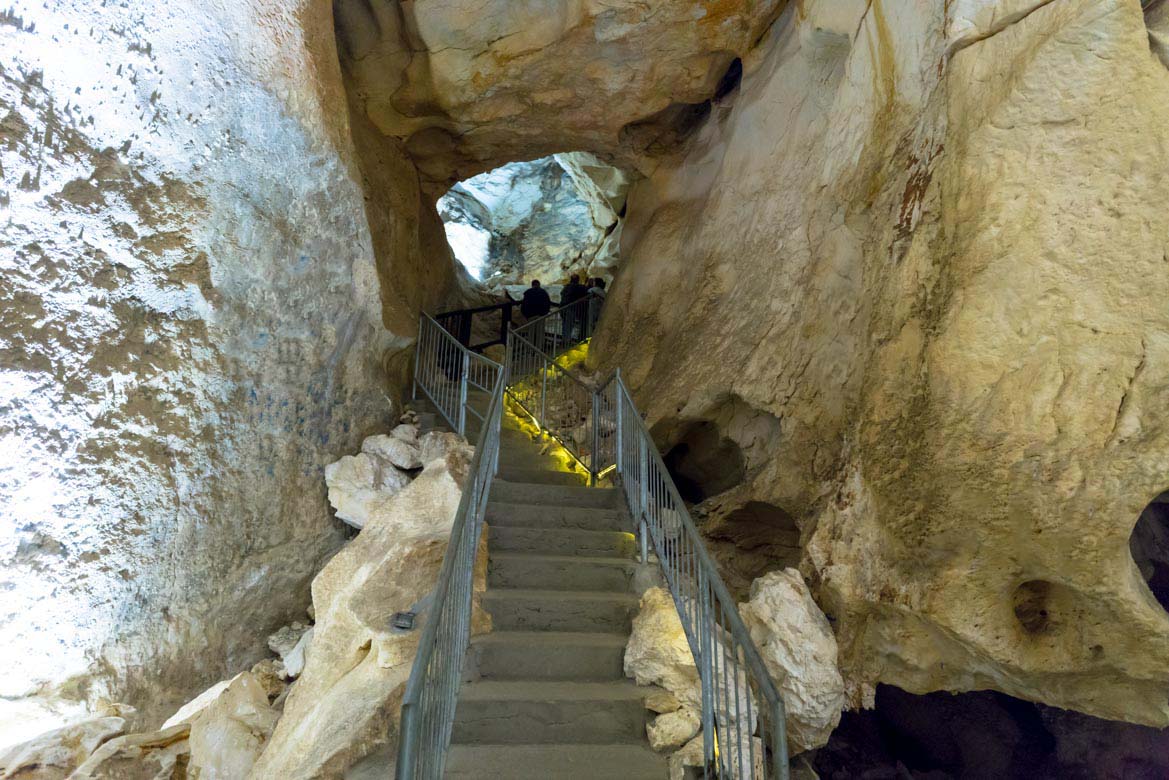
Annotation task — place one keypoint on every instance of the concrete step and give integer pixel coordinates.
(547, 655)
(556, 762)
(552, 610)
(502, 513)
(549, 712)
(559, 572)
(559, 541)
(505, 491)
(539, 476)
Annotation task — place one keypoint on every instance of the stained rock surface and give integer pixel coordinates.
(345, 705)
(467, 88)
(923, 237)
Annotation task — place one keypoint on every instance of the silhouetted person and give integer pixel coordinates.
(571, 319)
(536, 302)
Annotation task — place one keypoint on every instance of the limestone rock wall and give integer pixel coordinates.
(191, 326)
(910, 277)
(470, 87)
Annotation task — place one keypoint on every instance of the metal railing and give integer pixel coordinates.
(553, 396)
(744, 733)
(461, 324)
(448, 374)
(428, 705)
(562, 329)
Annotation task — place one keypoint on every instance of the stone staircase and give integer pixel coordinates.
(544, 694)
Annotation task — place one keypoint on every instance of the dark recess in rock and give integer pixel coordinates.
(1149, 545)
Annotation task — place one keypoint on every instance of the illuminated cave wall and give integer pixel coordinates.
(190, 327)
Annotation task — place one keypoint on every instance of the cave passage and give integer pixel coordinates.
(1149, 545)
(539, 219)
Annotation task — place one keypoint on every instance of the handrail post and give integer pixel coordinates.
(408, 743)
(466, 367)
(617, 401)
(779, 741)
(596, 439)
(543, 391)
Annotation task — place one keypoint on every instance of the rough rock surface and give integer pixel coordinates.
(191, 326)
(156, 755)
(357, 482)
(672, 730)
(468, 88)
(55, 754)
(228, 736)
(799, 650)
(544, 219)
(345, 706)
(944, 307)
(657, 652)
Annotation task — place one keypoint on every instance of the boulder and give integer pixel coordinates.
(673, 729)
(357, 482)
(287, 638)
(436, 444)
(407, 432)
(657, 652)
(799, 650)
(393, 449)
(228, 735)
(55, 754)
(294, 661)
(345, 705)
(157, 755)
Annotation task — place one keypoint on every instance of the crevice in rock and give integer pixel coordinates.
(703, 462)
(985, 734)
(1149, 545)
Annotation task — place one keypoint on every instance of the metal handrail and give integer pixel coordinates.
(562, 328)
(739, 698)
(730, 669)
(428, 705)
(445, 371)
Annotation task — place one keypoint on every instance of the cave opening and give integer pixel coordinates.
(543, 219)
(985, 734)
(1149, 545)
(703, 462)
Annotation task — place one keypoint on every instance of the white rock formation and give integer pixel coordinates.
(923, 236)
(394, 449)
(358, 482)
(799, 650)
(295, 659)
(657, 652)
(672, 730)
(345, 705)
(157, 755)
(287, 638)
(228, 736)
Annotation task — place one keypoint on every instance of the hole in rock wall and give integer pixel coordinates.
(541, 219)
(985, 734)
(704, 463)
(1149, 545)
(751, 541)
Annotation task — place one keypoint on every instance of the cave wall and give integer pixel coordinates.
(191, 327)
(914, 267)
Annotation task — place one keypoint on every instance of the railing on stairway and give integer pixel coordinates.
(744, 731)
(563, 328)
(428, 705)
(459, 323)
(446, 372)
(743, 722)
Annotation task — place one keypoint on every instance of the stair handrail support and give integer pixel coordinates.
(428, 703)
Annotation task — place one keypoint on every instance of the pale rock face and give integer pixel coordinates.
(690, 755)
(295, 659)
(358, 482)
(469, 88)
(288, 637)
(345, 706)
(55, 754)
(191, 304)
(545, 219)
(945, 310)
(799, 650)
(157, 755)
(657, 652)
(437, 444)
(672, 730)
(393, 449)
(227, 737)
